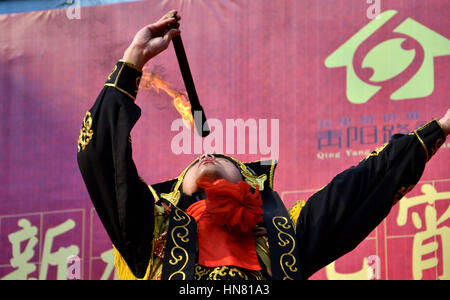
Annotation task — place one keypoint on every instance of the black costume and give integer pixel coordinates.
(154, 238)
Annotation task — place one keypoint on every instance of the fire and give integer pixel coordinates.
(152, 80)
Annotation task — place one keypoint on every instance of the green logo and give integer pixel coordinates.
(389, 61)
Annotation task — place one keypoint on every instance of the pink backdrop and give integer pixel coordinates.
(250, 60)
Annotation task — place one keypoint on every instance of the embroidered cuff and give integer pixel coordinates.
(431, 136)
(125, 77)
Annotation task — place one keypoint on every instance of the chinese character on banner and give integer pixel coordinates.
(21, 256)
(432, 233)
(20, 259)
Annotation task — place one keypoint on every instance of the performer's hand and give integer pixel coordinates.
(151, 40)
(445, 122)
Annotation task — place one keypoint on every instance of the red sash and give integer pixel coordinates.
(226, 219)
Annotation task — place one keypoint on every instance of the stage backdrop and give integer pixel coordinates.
(316, 84)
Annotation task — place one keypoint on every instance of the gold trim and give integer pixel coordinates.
(440, 125)
(114, 85)
(172, 197)
(424, 126)
(130, 64)
(118, 75)
(119, 89)
(155, 195)
(272, 170)
(294, 212)
(287, 259)
(423, 144)
(114, 70)
(251, 179)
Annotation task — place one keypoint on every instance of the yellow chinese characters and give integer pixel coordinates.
(425, 241)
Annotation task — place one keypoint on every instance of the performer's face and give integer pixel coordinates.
(210, 167)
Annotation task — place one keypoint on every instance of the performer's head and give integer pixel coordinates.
(210, 167)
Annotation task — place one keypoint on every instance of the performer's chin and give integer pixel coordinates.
(209, 172)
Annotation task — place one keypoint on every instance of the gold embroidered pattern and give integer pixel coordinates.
(200, 272)
(86, 132)
(181, 232)
(287, 260)
(225, 272)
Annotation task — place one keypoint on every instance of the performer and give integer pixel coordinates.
(221, 218)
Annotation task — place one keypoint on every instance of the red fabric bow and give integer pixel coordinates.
(226, 219)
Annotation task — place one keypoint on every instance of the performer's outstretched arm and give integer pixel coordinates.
(122, 199)
(341, 215)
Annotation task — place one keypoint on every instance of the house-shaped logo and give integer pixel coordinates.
(389, 60)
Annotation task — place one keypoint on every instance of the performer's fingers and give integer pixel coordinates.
(171, 34)
(160, 28)
(169, 15)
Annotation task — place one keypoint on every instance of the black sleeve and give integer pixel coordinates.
(121, 198)
(341, 215)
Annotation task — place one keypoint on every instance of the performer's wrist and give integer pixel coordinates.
(444, 122)
(135, 56)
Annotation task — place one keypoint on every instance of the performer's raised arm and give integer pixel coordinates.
(123, 201)
(341, 215)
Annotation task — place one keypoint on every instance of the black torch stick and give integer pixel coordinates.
(197, 110)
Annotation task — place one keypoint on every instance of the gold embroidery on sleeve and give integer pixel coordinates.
(86, 132)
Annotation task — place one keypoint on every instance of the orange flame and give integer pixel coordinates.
(152, 80)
